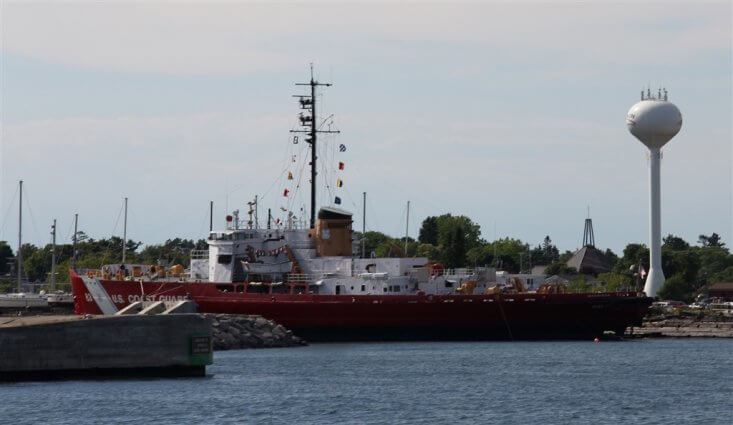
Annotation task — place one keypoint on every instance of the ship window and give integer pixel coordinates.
(448, 284)
(338, 289)
(363, 288)
(240, 288)
(225, 288)
(396, 288)
(352, 288)
(385, 289)
(225, 259)
(280, 289)
(257, 289)
(313, 289)
(299, 289)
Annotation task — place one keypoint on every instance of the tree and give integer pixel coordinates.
(429, 231)
(447, 224)
(712, 240)
(455, 247)
(675, 243)
(5, 254)
(559, 268)
(613, 282)
(677, 288)
(373, 240)
(579, 284)
(545, 253)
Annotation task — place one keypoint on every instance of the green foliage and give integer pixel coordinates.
(544, 254)
(614, 282)
(560, 268)
(455, 247)
(579, 284)
(447, 225)
(432, 252)
(710, 241)
(634, 254)
(565, 256)
(677, 288)
(429, 231)
(373, 240)
(723, 276)
(5, 254)
(675, 243)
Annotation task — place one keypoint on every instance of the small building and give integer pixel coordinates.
(589, 259)
(721, 290)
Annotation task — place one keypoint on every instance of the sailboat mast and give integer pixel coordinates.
(308, 103)
(124, 236)
(363, 228)
(53, 256)
(76, 232)
(407, 226)
(20, 234)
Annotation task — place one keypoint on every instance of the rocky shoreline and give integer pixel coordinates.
(237, 331)
(683, 323)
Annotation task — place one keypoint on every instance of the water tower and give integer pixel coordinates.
(654, 121)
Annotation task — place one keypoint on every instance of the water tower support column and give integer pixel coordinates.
(655, 279)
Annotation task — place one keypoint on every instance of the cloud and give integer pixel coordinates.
(196, 38)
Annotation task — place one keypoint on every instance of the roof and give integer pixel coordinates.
(591, 260)
(721, 286)
(331, 212)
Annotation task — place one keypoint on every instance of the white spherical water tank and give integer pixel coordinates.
(654, 121)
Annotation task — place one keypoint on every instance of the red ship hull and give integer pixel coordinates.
(396, 317)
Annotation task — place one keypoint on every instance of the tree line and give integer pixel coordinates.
(90, 253)
(452, 240)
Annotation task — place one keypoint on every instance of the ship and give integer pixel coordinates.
(312, 277)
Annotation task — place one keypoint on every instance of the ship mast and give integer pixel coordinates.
(20, 235)
(308, 104)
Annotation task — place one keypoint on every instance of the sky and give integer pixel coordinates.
(511, 113)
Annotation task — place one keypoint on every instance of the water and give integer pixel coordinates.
(640, 382)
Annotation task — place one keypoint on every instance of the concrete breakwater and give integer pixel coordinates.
(51, 347)
(236, 331)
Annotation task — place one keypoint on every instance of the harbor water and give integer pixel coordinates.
(640, 382)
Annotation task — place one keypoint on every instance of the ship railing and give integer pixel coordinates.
(309, 277)
(301, 277)
(460, 272)
(199, 254)
(301, 244)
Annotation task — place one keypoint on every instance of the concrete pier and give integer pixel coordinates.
(59, 347)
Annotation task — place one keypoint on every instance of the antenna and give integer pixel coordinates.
(308, 122)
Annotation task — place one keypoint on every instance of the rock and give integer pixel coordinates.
(250, 331)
